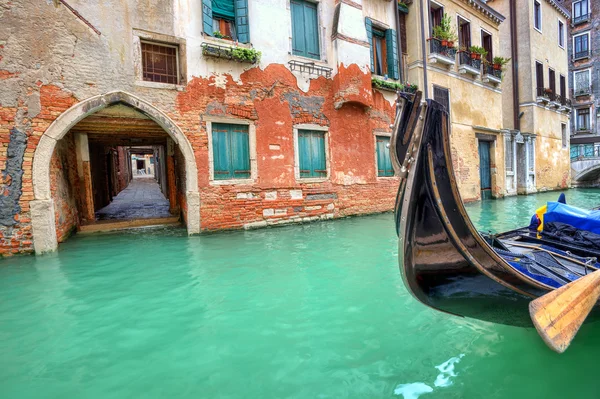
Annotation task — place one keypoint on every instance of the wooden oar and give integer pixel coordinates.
(558, 315)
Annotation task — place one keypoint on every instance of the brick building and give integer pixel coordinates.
(295, 134)
(584, 66)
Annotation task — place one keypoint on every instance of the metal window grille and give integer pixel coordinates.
(508, 154)
(159, 63)
(442, 96)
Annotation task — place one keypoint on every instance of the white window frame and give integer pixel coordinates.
(541, 18)
(589, 71)
(577, 118)
(467, 20)
(563, 34)
(589, 42)
(438, 5)
(321, 31)
(576, 2)
(311, 126)
(375, 135)
(252, 148)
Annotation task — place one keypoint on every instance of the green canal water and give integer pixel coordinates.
(311, 311)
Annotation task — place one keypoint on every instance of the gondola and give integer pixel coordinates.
(445, 262)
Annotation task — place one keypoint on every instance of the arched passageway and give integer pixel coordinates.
(89, 122)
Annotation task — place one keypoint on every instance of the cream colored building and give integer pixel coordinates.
(470, 90)
(536, 104)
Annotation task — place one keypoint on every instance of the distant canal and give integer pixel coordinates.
(312, 311)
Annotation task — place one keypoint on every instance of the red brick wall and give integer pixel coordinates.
(64, 185)
(272, 100)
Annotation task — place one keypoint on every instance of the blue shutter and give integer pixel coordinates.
(369, 26)
(391, 44)
(384, 163)
(222, 167)
(311, 30)
(240, 151)
(318, 155)
(207, 17)
(242, 24)
(298, 39)
(304, 154)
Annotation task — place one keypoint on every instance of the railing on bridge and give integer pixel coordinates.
(583, 151)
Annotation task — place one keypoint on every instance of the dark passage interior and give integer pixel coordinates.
(116, 165)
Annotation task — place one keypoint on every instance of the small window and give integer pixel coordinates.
(159, 63)
(379, 52)
(384, 163)
(539, 76)
(464, 33)
(583, 119)
(311, 154)
(537, 15)
(226, 19)
(581, 11)
(231, 151)
(565, 137)
(486, 43)
(442, 96)
(581, 82)
(305, 29)
(561, 34)
(581, 46)
(436, 13)
(531, 155)
(552, 80)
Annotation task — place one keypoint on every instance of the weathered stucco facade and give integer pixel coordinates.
(87, 61)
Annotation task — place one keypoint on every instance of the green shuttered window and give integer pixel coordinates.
(384, 163)
(311, 153)
(231, 151)
(379, 50)
(305, 29)
(229, 15)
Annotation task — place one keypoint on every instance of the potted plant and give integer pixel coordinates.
(477, 52)
(402, 7)
(499, 62)
(444, 31)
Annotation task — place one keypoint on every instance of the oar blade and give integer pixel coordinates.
(558, 315)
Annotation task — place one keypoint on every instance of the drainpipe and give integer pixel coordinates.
(515, 64)
(424, 52)
(398, 39)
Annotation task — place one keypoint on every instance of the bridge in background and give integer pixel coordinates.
(585, 165)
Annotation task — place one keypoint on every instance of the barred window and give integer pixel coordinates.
(159, 63)
(508, 154)
(442, 96)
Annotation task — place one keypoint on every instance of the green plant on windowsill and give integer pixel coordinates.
(499, 62)
(444, 32)
(477, 52)
(384, 84)
(402, 7)
(246, 55)
(218, 34)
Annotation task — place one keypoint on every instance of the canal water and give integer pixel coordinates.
(311, 311)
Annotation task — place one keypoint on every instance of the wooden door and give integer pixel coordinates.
(485, 170)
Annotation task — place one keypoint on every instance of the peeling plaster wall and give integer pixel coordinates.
(44, 75)
(65, 185)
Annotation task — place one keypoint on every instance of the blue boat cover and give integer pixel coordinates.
(588, 220)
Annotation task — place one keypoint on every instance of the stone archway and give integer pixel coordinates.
(42, 207)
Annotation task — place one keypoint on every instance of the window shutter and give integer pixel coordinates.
(304, 154)
(391, 44)
(311, 30)
(207, 17)
(241, 21)
(318, 155)
(298, 37)
(221, 166)
(240, 151)
(369, 26)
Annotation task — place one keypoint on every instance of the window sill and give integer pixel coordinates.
(387, 177)
(158, 85)
(307, 59)
(230, 182)
(539, 30)
(312, 179)
(224, 42)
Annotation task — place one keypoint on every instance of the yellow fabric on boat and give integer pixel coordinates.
(540, 214)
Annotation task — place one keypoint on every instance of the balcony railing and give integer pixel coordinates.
(490, 74)
(581, 19)
(468, 64)
(443, 54)
(581, 55)
(582, 91)
(543, 94)
(565, 102)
